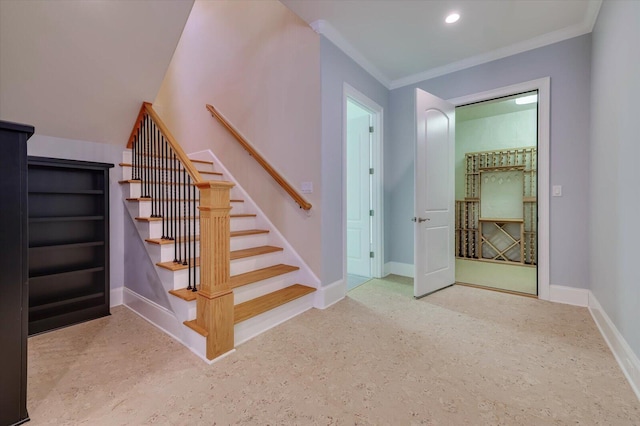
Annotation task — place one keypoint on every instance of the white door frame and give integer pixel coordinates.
(377, 263)
(543, 86)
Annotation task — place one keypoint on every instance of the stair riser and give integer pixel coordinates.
(166, 252)
(154, 229)
(175, 280)
(240, 223)
(248, 241)
(143, 208)
(238, 208)
(184, 310)
(260, 288)
(240, 266)
(259, 324)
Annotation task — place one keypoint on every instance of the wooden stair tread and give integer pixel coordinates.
(262, 304)
(157, 219)
(172, 266)
(162, 242)
(195, 327)
(260, 274)
(237, 254)
(155, 182)
(244, 233)
(253, 251)
(236, 201)
(184, 294)
(242, 215)
(247, 232)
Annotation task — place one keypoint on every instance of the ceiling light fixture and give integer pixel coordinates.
(527, 100)
(453, 17)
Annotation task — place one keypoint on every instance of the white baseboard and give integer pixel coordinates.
(627, 359)
(569, 295)
(329, 294)
(397, 268)
(157, 315)
(115, 297)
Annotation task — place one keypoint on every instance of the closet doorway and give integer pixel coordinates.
(496, 189)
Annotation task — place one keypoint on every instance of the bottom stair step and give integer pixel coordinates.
(262, 304)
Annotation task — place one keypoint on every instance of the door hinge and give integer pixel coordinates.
(370, 129)
(371, 254)
(370, 212)
(371, 171)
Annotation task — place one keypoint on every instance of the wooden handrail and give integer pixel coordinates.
(147, 109)
(304, 204)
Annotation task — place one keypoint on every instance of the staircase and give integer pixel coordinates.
(265, 273)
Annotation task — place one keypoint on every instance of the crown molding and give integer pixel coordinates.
(322, 27)
(586, 26)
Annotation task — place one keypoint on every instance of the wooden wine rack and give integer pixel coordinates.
(498, 239)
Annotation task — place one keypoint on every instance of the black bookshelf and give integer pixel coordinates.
(68, 242)
(14, 285)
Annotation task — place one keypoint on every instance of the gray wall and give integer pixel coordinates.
(335, 69)
(568, 64)
(46, 146)
(615, 150)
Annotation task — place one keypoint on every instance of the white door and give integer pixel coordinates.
(358, 193)
(434, 194)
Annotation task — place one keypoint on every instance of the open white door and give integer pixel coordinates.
(358, 195)
(434, 194)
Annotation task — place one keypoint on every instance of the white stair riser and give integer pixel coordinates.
(240, 266)
(238, 208)
(176, 280)
(259, 324)
(142, 208)
(166, 252)
(260, 288)
(240, 223)
(248, 241)
(195, 342)
(185, 311)
(154, 229)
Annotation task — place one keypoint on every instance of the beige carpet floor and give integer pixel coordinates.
(462, 356)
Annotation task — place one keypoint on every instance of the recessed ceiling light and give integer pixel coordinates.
(527, 100)
(452, 18)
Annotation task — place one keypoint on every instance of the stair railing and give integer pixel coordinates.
(299, 199)
(177, 191)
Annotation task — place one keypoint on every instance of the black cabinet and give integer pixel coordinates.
(68, 242)
(14, 276)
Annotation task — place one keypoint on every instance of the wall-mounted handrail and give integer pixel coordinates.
(304, 204)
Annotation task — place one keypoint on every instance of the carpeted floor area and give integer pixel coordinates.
(462, 356)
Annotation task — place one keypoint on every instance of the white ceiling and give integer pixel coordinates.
(401, 42)
(81, 69)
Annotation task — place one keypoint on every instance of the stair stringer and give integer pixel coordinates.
(290, 256)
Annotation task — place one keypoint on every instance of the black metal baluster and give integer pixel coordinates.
(163, 195)
(184, 210)
(187, 222)
(145, 171)
(193, 246)
(133, 156)
(176, 184)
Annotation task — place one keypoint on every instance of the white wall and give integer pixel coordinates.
(47, 146)
(513, 130)
(615, 149)
(259, 64)
(337, 69)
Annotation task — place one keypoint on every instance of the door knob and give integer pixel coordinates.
(419, 219)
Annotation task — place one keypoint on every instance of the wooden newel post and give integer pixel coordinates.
(215, 298)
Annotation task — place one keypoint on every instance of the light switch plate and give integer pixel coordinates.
(306, 187)
(557, 191)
